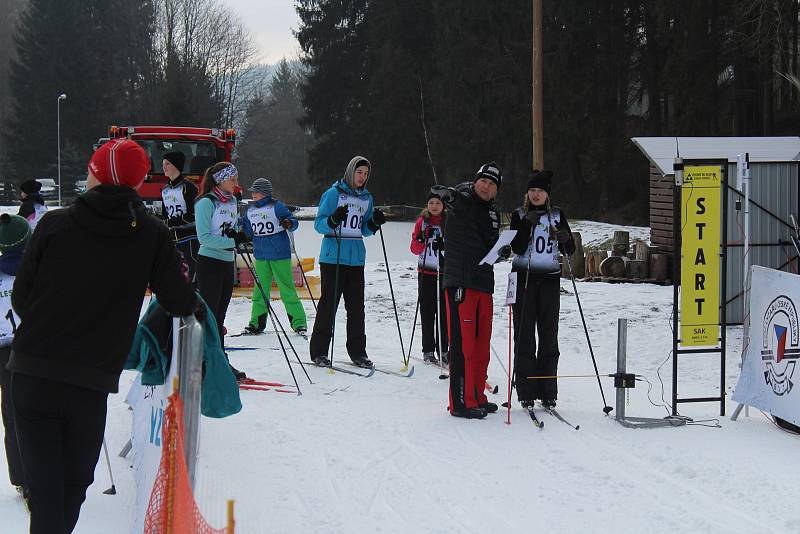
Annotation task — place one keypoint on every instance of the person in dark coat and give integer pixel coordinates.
(14, 235)
(177, 208)
(78, 293)
(32, 208)
(542, 232)
(472, 228)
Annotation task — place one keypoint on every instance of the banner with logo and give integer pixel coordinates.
(773, 347)
(148, 404)
(700, 260)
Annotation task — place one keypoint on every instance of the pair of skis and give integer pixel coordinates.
(258, 385)
(538, 423)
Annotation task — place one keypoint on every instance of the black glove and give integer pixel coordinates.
(445, 193)
(420, 237)
(563, 235)
(438, 244)
(378, 218)
(241, 238)
(200, 312)
(429, 232)
(504, 252)
(337, 216)
(229, 231)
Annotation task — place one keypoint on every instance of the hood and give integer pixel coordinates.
(9, 262)
(351, 168)
(262, 202)
(109, 211)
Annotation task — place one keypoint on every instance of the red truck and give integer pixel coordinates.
(203, 147)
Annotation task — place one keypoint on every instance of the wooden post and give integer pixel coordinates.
(230, 527)
(536, 107)
(620, 243)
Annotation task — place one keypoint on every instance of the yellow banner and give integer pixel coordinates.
(700, 242)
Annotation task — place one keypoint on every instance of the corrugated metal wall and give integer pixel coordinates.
(775, 187)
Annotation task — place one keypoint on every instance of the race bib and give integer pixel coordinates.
(356, 210)
(225, 216)
(263, 221)
(174, 202)
(38, 212)
(542, 252)
(429, 259)
(9, 321)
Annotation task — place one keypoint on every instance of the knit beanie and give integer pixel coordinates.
(540, 180)
(433, 195)
(263, 186)
(14, 232)
(120, 162)
(490, 171)
(30, 187)
(178, 159)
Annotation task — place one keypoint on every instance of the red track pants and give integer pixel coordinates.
(470, 330)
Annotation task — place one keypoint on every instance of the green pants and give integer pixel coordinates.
(281, 270)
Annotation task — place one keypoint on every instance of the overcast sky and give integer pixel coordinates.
(271, 22)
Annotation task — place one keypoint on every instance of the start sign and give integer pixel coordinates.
(700, 255)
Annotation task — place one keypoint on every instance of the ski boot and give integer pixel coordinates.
(251, 330)
(468, 413)
(321, 360)
(429, 357)
(239, 375)
(488, 407)
(363, 361)
(548, 403)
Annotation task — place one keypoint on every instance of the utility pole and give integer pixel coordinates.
(538, 122)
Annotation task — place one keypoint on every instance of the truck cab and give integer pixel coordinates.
(203, 148)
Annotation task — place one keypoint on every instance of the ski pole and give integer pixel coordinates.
(442, 374)
(606, 408)
(113, 489)
(508, 421)
(335, 294)
(302, 272)
(274, 317)
(394, 303)
(416, 310)
(518, 333)
(257, 281)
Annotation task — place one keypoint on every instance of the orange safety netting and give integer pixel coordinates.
(172, 508)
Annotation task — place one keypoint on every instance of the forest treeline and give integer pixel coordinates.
(612, 70)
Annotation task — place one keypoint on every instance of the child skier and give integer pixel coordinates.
(345, 217)
(216, 217)
(178, 197)
(426, 243)
(14, 234)
(267, 222)
(542, 231)
(33, 207)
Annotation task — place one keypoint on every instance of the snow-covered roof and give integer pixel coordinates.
(662, 151)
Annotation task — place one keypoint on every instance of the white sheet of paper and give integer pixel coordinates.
(505, 239)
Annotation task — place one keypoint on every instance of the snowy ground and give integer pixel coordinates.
(382, 454)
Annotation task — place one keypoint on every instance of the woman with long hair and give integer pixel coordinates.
(216, 218)
(542, 232)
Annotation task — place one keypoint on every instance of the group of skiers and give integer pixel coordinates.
(104, 251)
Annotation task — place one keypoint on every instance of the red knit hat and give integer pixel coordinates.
(120, 162)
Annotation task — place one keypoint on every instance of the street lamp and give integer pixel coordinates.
(61, 97)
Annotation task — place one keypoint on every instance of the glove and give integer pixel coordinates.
(240, 238)
(229, 231)
(378, 218)
(419, 238)
(438, 244)
(200, 312)
(563, 235)
(286, 223)
(445, 193)
(504, 252)
(429, 232)
(337, 216)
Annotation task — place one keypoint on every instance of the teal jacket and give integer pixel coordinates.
(352, 251)
(213, 246)
(220, 392)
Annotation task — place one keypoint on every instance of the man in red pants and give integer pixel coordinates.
(471, 230)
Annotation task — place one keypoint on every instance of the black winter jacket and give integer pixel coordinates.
(81, 283)
(472, 228)
(182, 226)
(28, 205)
